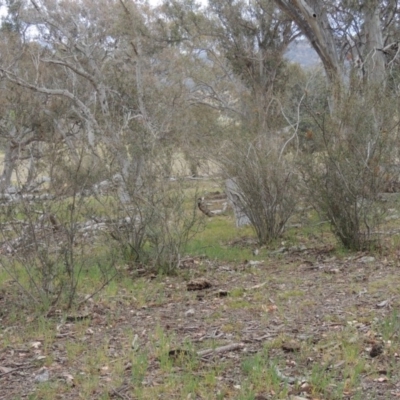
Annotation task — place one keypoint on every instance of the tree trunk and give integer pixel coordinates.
(313, 21)
(8, 167)
(375, 58)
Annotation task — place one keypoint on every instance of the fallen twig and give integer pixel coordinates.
(17, 369)
(222, 349)
(116, 393)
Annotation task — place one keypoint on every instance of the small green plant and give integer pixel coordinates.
(321, 379)
(390, 326)
(262, 373)
(140, 364)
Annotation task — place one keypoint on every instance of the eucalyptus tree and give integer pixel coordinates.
(121, 86)
(357, 42)
(100, 85)
(361, 31)
(253, 37)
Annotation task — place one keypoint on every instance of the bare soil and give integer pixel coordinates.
(302, 305)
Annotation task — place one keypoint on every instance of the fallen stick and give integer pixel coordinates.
(222, 349)
(17, 369)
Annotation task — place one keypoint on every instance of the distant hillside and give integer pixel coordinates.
(302, 53)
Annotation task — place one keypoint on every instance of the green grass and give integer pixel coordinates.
(260, 376)
(213, 241)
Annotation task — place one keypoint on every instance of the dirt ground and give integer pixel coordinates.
(303, 305)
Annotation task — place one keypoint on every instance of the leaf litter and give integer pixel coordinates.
(303, 319)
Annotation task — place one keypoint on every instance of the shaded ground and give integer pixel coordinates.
(308, 323)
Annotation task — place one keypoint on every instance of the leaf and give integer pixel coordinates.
(291, 346)
(5, 370)
(135, 343)
(69, 379)
(383, 304)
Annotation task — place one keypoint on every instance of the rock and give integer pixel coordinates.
(43, 375)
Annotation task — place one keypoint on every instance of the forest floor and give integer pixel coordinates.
(303, 319)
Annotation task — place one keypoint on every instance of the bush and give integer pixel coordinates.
(344, 179)
(49, 243)
(152, 220)
(265, 186)
(47, 246)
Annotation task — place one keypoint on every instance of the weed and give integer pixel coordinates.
(140, 364)
(390, 326)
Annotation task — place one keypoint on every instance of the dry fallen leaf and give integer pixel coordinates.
(69, 379)
(5, 370)
(383, 304)
(270, 308)
(291, 346)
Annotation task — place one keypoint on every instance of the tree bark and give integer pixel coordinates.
(312, 19)
(375, 59)
(9, 162)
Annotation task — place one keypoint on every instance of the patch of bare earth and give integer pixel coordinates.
(303, 306)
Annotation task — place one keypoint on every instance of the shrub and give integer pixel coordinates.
(265, 186)
(152, 220)
(344, 179)
(47, 247)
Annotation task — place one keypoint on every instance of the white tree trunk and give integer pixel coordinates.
(311, 17)
(9, 162)
(375, 59)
